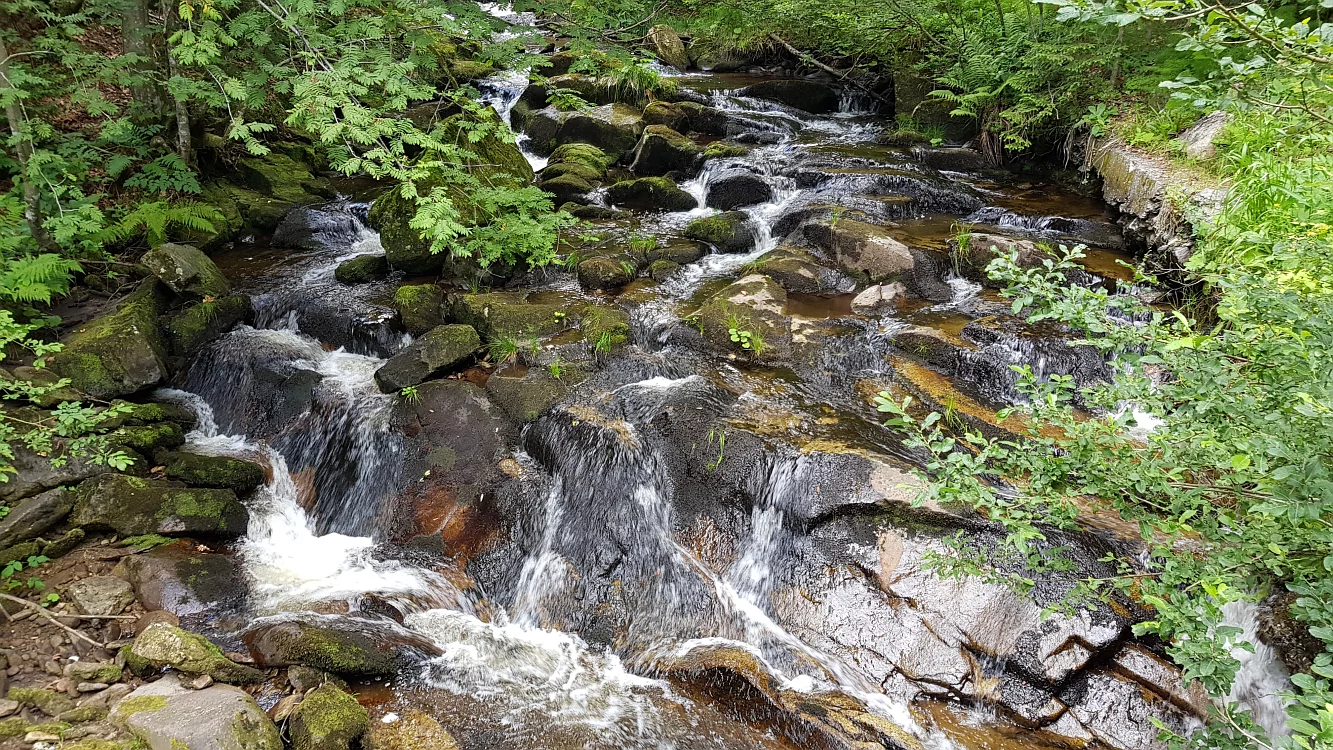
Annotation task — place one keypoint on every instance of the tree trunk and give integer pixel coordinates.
(183, 147)
(32, 203)
(136, 33)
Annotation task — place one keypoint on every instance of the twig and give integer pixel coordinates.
(41, 612)
(840, 75)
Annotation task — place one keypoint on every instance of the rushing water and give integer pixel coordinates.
(603, 592)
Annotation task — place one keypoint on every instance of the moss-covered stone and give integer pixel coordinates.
(755, 304)
(92, 671)
(606, 273)
(218, 472)
(661, 270)
(281, 177)
(583, 172)
(526, 398)
(151, 413)
(651, 194)
(228, 228)
(262, 213)
(83, 714)
(45, 378)
(566, 188)
(186, 270)
(147, 439)
(797, 270)
(662, 150)
(677, 250)
(666, 113)
(507, 315)
(470, 70)
(420, 307)
(328, 719)
(497, 162)
(161, 645)
(729, 232)
(48, 702)
(362, 269)
(342, 652)
(203, 322)
(582, 153)
(604, 328)
(14, 726)
(613, 128)
(118, 353)
(724, 150)
(439, 350)
(704, 119)
(20, 551)
(132, 506)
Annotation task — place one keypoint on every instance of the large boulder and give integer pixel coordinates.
(797, 270)
(339, 648)
(362, 269)
(218, 472)
(186, 270)
(704, 119)
(509, 315)
(606, 273)
(181, 580)
(670, 114)
(438, 350)
(974, 251)
(281, 178)
(663, 150)
(132, 506)
(809, 96)
(35, 515)
(315, 229)
(567, 188)
(119, 353)
(651, 194)
(755, 305)
(735, 188)
(496, 161)
(613, 128)
(188, 330)
(668, 46)
(420, 307)
(161, 646)
(729, 232)
(168, 716)
(861, 248)
(328, 719)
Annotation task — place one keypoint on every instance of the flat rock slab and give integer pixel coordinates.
(168, 716)
(101, 595)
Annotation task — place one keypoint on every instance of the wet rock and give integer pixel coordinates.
(736, 188)
(755, 304)
(218, 472)
(1279, 628)
(189, 330)
(508, 315)
(613, 128)
(315, 229)
(131, 506)
(439, 350)
(1162, 677)
(662, 150)
(282, 178)
(567, 188)
(526, 398)
(879, 298)
(979, 249)
(1119, 713)
(47, 379)
(666, 113)
(420, 307)
(328, 719)
(147, 439)
(35, 474)
(951, 158)
(161, 646)
(861, 248)
(119, 353)
(168, 716)
(34, 515)
(303, 679)
(1197, 140)
(668, 46)
(594, 213)
(704, 119)
(586, 174)
(677, 250)
(651, 194)
(809, 96)
(724, 150)
(414, 730)
(797, 270)
(661, 270)
(497, 162)
(729, 232)
(160, 615)
(362, 269)
(929, 345)
(186, 270)
(584, 155)
(100, 595)
(343, 650)
(606, 273)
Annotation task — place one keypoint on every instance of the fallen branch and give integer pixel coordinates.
(842, 76)
(40, 611)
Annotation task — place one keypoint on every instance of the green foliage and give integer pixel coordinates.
(10, 580)
(154, 221)
(410, 394)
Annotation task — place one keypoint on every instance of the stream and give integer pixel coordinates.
(689, 549)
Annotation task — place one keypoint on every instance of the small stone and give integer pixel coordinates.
(91, 687)
(34, 737)
(199, 682)
(53, 667)
(284, 707)
(93, 671)
(107, 698)
(8, 707)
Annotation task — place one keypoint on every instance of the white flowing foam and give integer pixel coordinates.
(1261, 676)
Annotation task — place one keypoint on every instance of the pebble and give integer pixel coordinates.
(92, 687)
(197, 683)
(53, 667)
(8, 707)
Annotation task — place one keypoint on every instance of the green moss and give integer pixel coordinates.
(137, 704)
(651, 193)
(328, 719)
(420, 307)
(148, 438)
(48, 702)
(362, 269)
(582, 153)
(219, 472)
(527, 398)
(14, 726)
(162, 645)
(83, 714)
(714, 229)
(252, 730)
(573, 169)
(470, 70)
(721, 150)
(118, 353)
(51, 727)
(198, 324)
(604, 327)
(506, 315)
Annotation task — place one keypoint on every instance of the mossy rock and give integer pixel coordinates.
(218, 472)
(797, 270)
(526, 398)
(567, 188)
(508, 315)
(340, 651)
(724, 150)
(414, 730)
(662, 150)
(470, 70)
(44, 378)
(152, 413)
(279, 176)
(161, 645)
(83, 715)
(583, 172)
(651, 194)
(729, 232)
(362, 269)
(606, 273)
(133, 506)
(119, 353)
(496, 162)
(661, 270)
(604, 329)
(328, 719)
(704, 119)
(613, 128)
(439, 350)
(594, 213)
(200, 324)
(676, 250)
(48, 702)
(756, 304)
(584, 154)
(14, 726)
(217, 196)
(666, 113)
(420, 307)
(147, 439)
(262, 213)
(186, 270)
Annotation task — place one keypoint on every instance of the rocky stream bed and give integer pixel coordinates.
(598, 516)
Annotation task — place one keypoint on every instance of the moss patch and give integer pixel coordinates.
(328, 719)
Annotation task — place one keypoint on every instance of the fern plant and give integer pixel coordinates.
(36, 278)
(155, 220)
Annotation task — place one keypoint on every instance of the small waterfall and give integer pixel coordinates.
(1262, 676)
